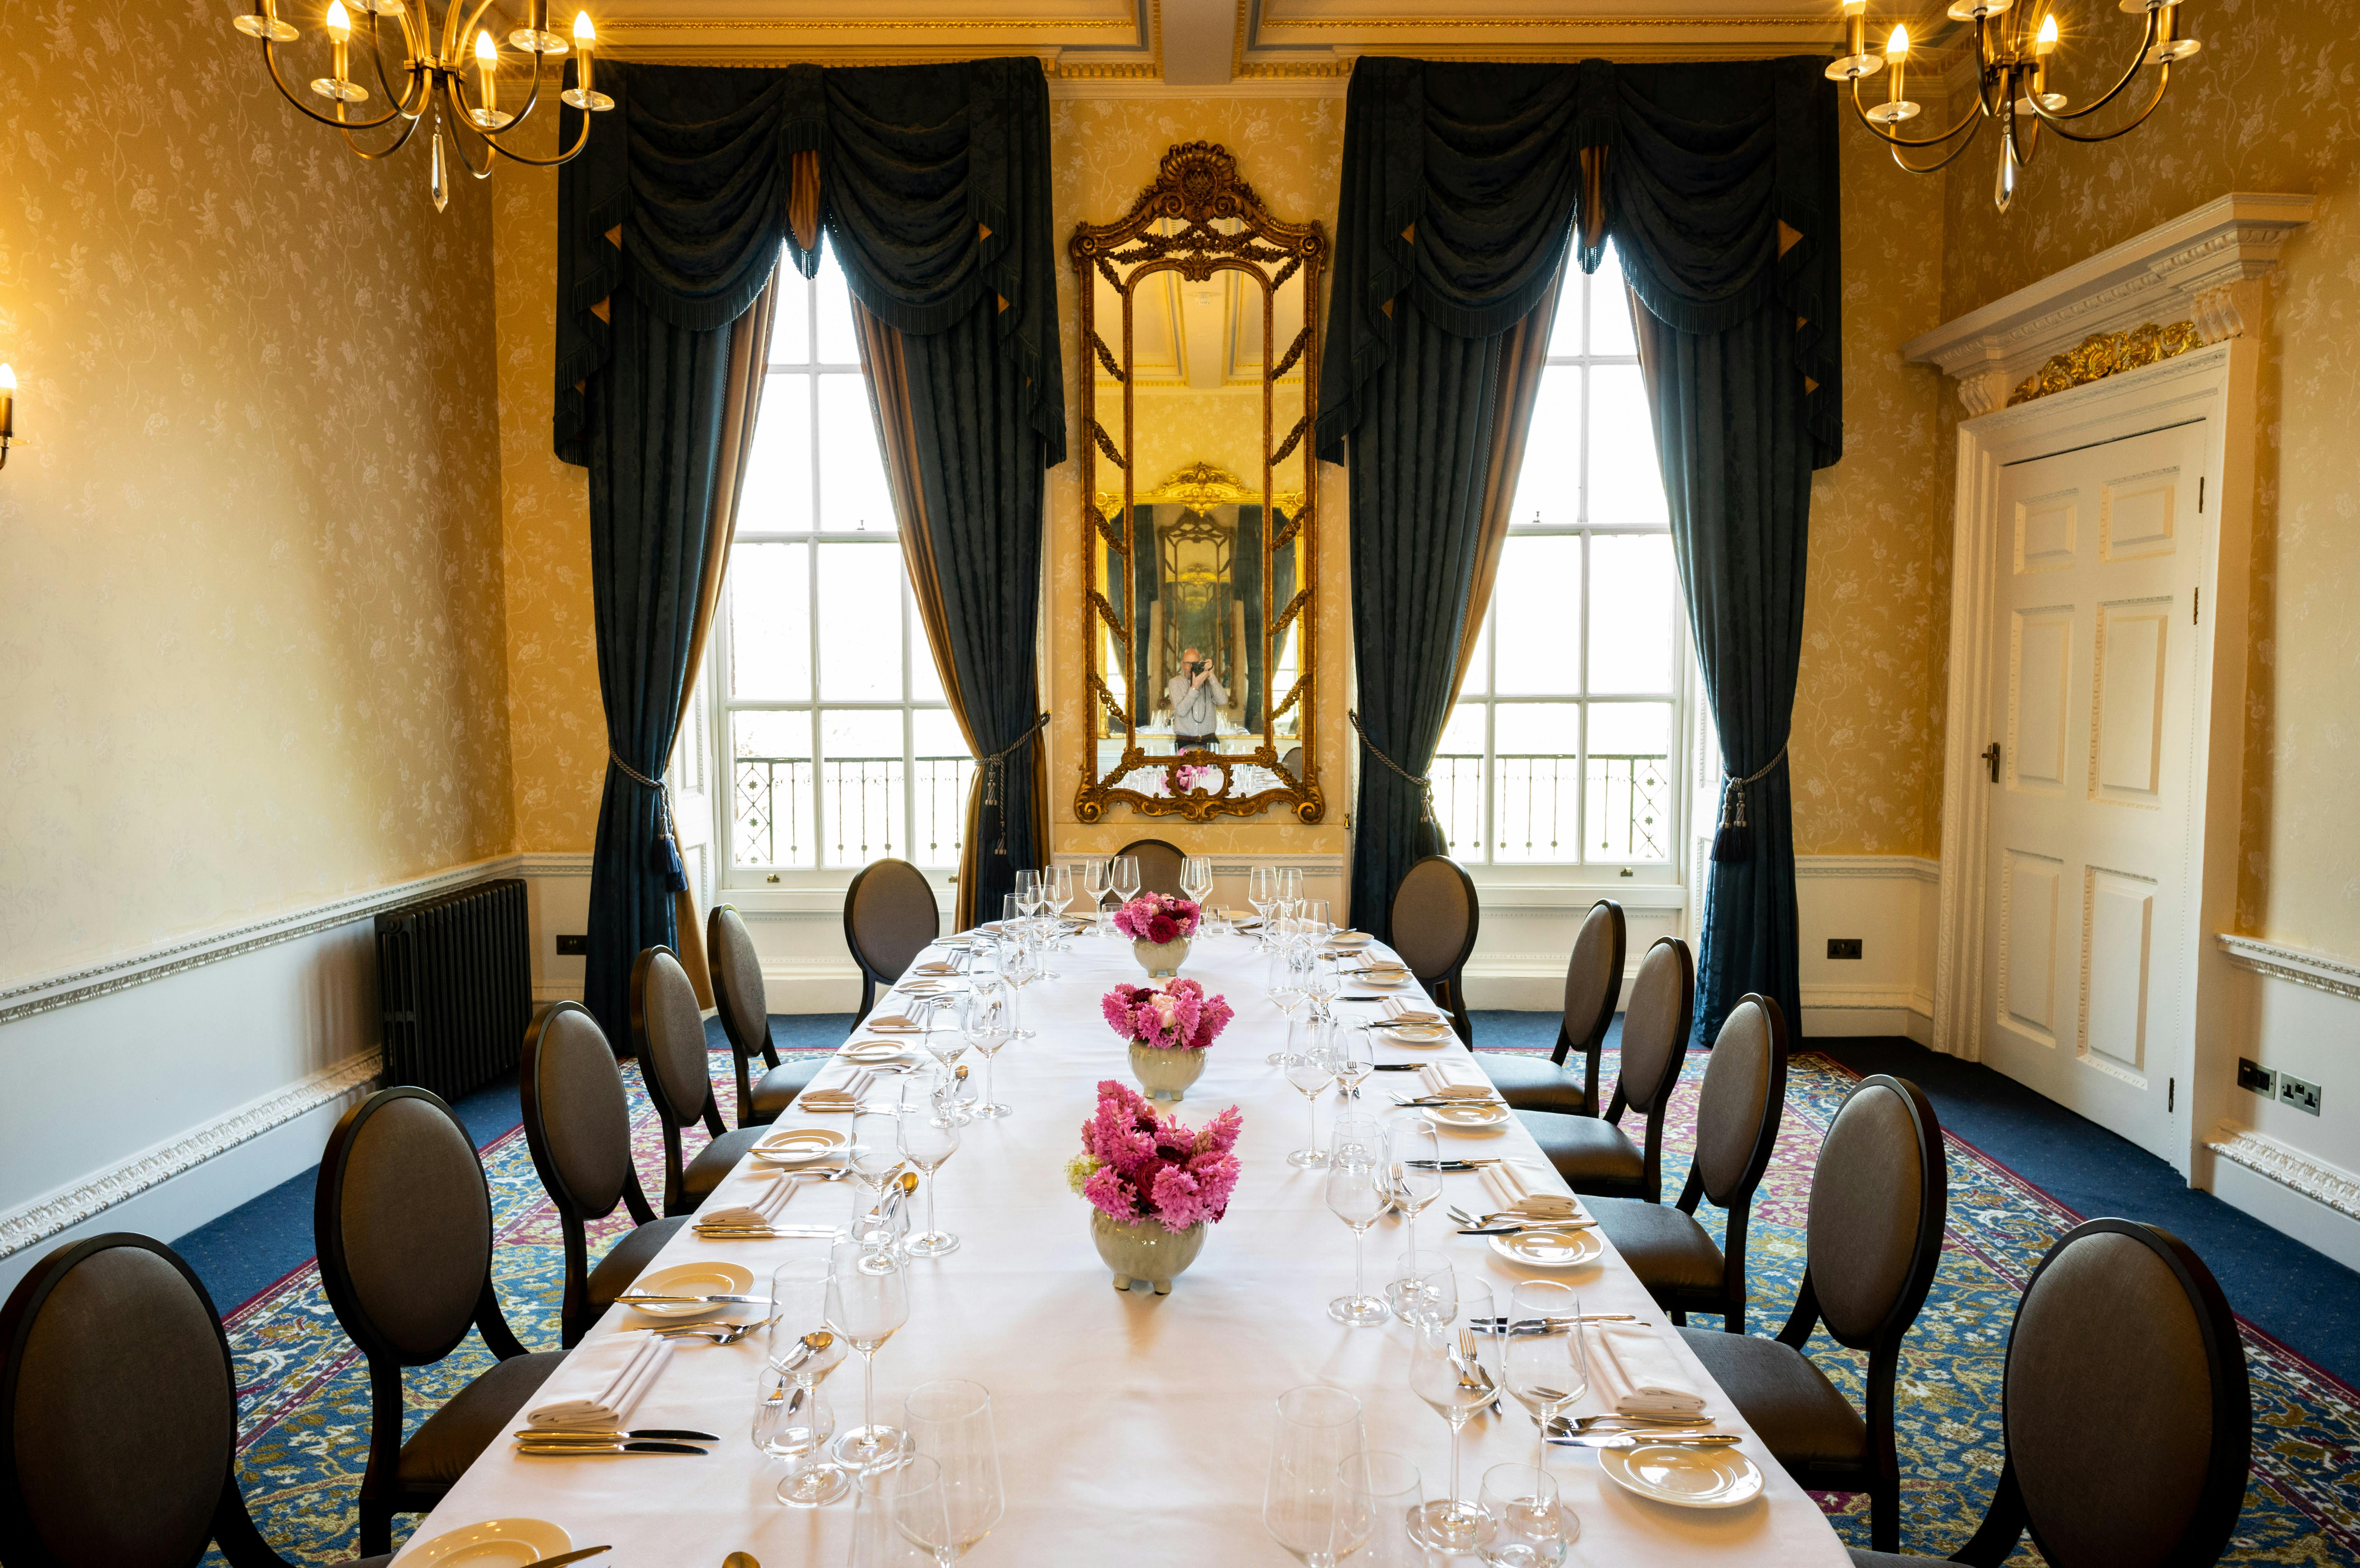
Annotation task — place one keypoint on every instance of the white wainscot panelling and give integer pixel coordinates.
(2297, 1012)
(1888, 903)
(1526, 938)
(557, 892)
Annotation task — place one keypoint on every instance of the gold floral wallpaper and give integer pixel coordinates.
(2269, 105)
(251, 634)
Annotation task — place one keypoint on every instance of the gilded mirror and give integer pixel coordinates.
(1200, 316)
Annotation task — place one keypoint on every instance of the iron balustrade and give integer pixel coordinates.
(1537, 807)
(785, 806)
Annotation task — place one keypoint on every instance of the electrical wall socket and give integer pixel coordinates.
(574, 946)
(2253, 1075)
(1844, 947)
(2302, 1096)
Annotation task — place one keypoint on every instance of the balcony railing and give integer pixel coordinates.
(1537, 811)
(869, 810)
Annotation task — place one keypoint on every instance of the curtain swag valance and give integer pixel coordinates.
(1464, 184)
(932, 179)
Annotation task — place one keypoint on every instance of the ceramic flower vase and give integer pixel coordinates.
(1145, 1251)
(1166, 1075)
(1162, 960)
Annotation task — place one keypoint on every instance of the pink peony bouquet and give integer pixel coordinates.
(1180, 1017)
(1192, 776)
(1137, 1164)
(1156, 917)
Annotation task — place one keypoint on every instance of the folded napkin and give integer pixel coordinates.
(762, 1211)
(1397, 1011)
(1638, 1373)
(841, 1095)
(620, 1369)
(935, 967)
(892, 1023)
(1454, 1078)
(1516, 1187)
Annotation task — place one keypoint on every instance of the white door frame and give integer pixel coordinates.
(2215, 383)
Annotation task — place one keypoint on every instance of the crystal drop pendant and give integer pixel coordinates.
(437, 184)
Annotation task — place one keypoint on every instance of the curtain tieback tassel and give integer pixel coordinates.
(663, 855)
(1733, 843)
(1424, 785)
(992, 768)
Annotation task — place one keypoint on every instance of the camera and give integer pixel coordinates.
(1199, 667)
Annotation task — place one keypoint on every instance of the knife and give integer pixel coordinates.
(635, 1297)
(1520, 1229)
(1635, 1440)
(559, 1434)
(574, 1450)
(1449, 1164)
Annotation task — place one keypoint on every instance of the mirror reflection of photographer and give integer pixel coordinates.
(1195, 698)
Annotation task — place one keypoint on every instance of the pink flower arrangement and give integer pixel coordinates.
(1191, 777)
(1181, 1018)
(1137, 1164)
(1157, 917)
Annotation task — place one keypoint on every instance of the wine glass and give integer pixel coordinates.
(868, 1301)
(1315, 919)
(1282, 983)
(1321, 982)
(1318, 1429)
(1354, 1056)
(794, 1421)
(877, 1537)
(1126, 877)
(875, 1155)
(950, 1424)
(1544, 1371)
(1027, 893)
(1196, 878)
(1376, 1495)
(1414, 1154)
(1310, 1069)
(1455, 1366)
(798, 1308)
(1290, 890)
(1261, 893)
(986, 1018)
(1355, 1195)
(1424, 1287)
(1097, 881)
(1019, 966)
(929, 1137)
(1523, 1525)
(1060, 880)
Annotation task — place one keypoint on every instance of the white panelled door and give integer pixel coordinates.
(2092, 693)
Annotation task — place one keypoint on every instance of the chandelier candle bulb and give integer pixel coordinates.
(488, 65)
(8, 410)
(1897, 55)
(581, 94)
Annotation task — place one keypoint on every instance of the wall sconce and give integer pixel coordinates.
(8, 410)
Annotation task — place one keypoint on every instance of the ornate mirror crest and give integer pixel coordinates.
(1200, 314)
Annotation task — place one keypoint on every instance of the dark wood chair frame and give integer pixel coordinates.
(1650, 1187)
(234, 1529)
(1592, 1044)
(1448, 986)
(745, 1050)
(2221, 1497)
(574, 1316)
(1729, 1298)
(383, 1494)
(672, 1117)
(870, 976)
(1881, 1476)
(1135, 846)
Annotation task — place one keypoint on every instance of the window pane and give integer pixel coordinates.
(790, 326)
(1630, 778)
(1625, 484)
(1536, 773)
(852, 493)
(1478, 677)
(769, 622)
(778, 494)
(1536, 615)
(1548, 486)
(1457, 775)
(940, 787)
(770, 790)
(1610, 308)
(1633, 596)
(860, 785)
(925, 675)
(836, 344)
(860, 623)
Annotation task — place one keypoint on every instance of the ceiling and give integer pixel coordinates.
(1207, 43)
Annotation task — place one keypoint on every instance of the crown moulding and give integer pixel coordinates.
(2197, 267)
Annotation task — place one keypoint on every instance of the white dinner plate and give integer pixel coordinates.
(1350, 939)
(1380, 982)
(495, 1543)
(1549, 1248)
(1423, 1036)
(924, 987)
(869, 1052)
(1479, 1115)
(800, 1146)
(1684, 1476)
(691, 1279)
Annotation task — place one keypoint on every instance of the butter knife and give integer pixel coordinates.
(1635, 1440)
(583, 1450)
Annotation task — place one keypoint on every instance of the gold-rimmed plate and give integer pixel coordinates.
(1425, 1036)
(1472, 1115)
(870, 1052)
(493, 1543)
(800, 1146)
(1542, 1248)
(1682, 1474)
(691, 1279)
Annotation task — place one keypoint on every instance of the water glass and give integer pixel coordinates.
(1318, 1429)
(877, 1539)
(1310, 1071)
(1355, 1195)
(951, 1422)
(1544, 1372)
(799, 1307)
(1197, 877)
(988, 1019)
(868, 1302)
(1414, 1151)
(1455, 1368)
(1423, 1289)
(1524, 1525)
(930, 1135)
(794, 1421)
(1377, 1495)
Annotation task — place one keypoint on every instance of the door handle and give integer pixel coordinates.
(1991, 755)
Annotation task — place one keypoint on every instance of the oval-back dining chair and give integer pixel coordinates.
(1435, 915)
(668, 1034)
(889, 916)
(1593, 985)
(1159, 864)
(743, 1006)
(1593, 1153)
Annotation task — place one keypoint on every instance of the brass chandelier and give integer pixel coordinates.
(2012, 51)
(431, 78)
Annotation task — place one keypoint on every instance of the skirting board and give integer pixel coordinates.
(2318, 1205)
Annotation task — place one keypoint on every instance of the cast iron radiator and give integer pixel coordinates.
(454, 980)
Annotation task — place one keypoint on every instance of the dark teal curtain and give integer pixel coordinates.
(1463, 185)
(935, 192)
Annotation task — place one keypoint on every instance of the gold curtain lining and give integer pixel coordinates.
(749, 355)
(803, 201)
(1524, 356)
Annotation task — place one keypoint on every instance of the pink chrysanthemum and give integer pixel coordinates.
(1151, 1166)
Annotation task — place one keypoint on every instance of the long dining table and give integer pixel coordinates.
(1127, 1422)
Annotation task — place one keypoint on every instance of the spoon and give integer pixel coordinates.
(741, 1560)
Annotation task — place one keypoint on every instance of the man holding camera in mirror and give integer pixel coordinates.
(1195, 698)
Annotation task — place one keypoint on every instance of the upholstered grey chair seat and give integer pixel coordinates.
(1590, 1153)
(629, 1258)
(777, 1089)
(1863, 1558)
(438, 1453)
(716, 1160)
(1799, 1414)
(1663, 1245)
(1533, 1083)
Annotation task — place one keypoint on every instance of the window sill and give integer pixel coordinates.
(1570, 889)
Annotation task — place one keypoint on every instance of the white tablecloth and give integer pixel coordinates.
(1126, 1420)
